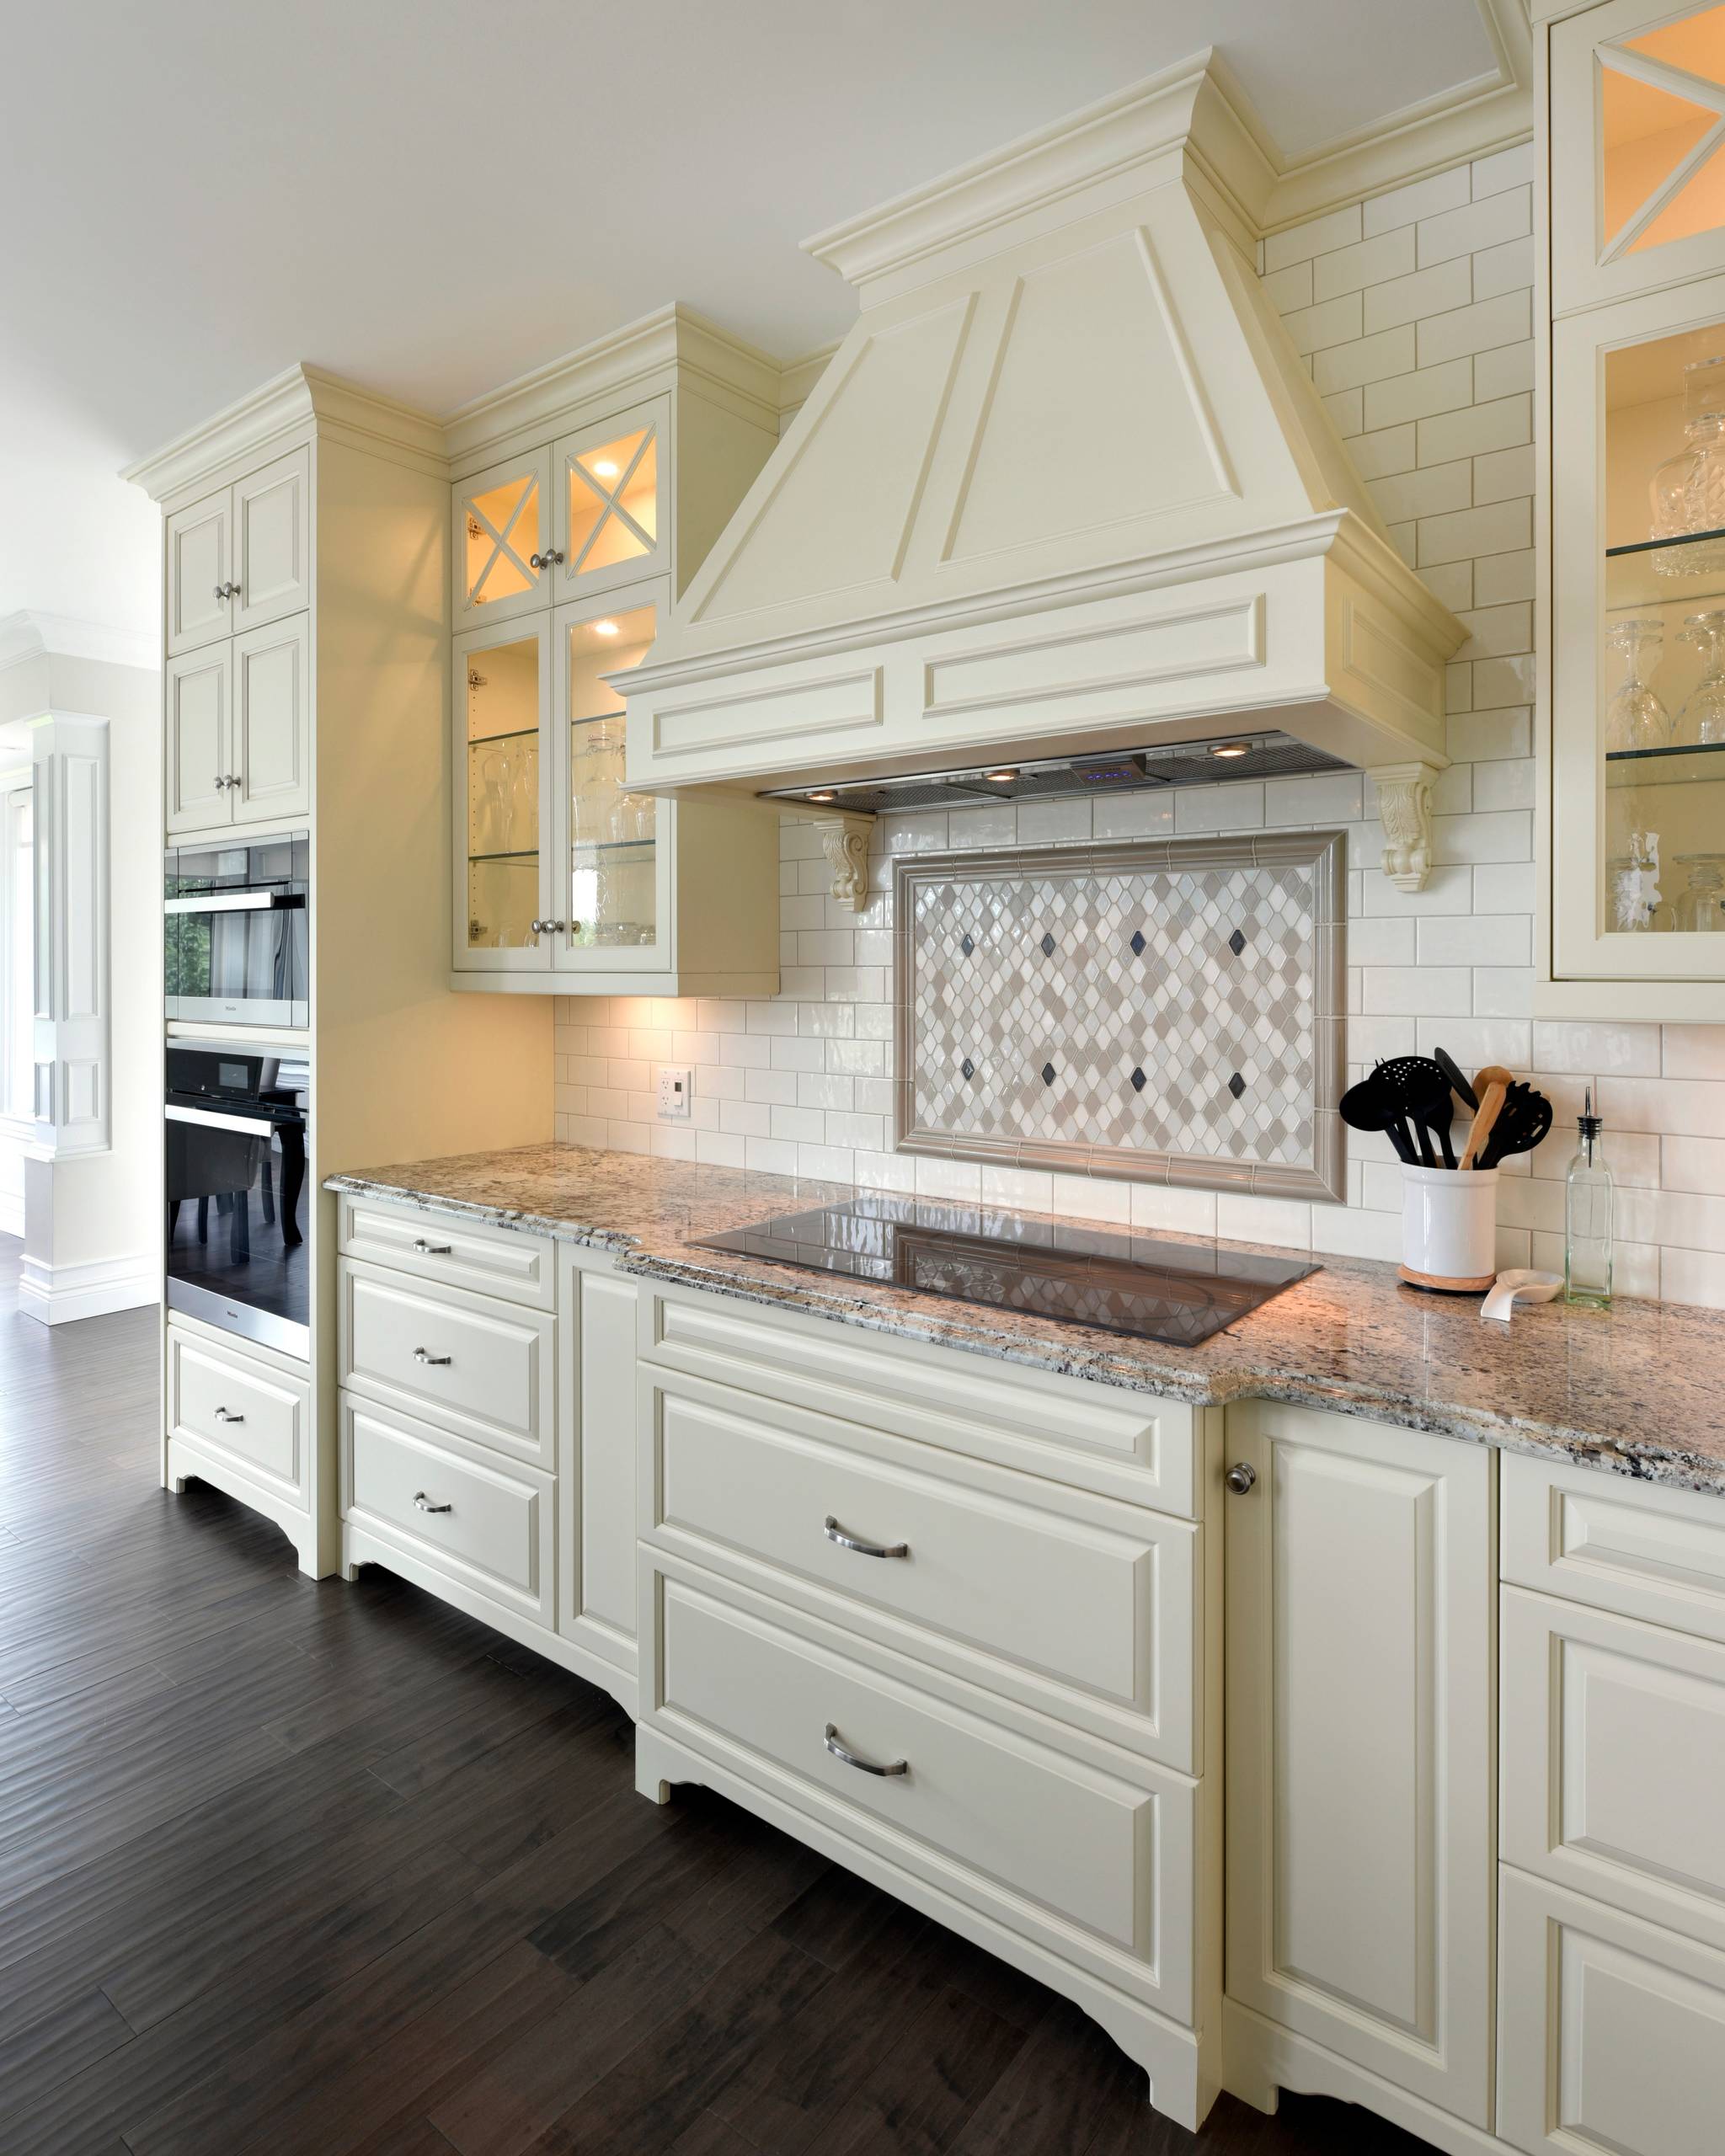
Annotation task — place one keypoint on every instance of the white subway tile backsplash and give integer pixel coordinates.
(1507, 319)
(1408, 205)
(1427, 292)
(1317, 235)
(1503, 372)
(1692, 1164)
(1368, 359)
(1369, 262)
(1331, 321)
(1418, 991)
(1475, 939)
(1694, 1052)
(1498, 577)
(1477, 226)
(1418, 395)
(1500, 269)
(1476, 430)
(1502, 169)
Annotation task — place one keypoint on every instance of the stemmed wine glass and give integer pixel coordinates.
(1702, 722)
(1635, 718)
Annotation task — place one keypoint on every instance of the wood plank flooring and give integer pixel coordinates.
(332, 1870)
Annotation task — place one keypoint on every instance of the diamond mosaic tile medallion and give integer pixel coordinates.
(1158, 1002)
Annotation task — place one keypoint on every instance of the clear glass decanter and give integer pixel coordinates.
(1688, 490)
(1702, 721)
(1635, 718)
(1587, 1217)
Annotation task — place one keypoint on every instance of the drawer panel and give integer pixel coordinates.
(484, 1369)
(1007, 1568)
(1611, 2033)
(1620, 1545)
(978, 1801)
(225, 1402)
(485, 1522)
(446, 1246)
(1614, 1760)
(1101, 1437)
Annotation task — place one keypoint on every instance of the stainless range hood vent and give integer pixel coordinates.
(1230, 756)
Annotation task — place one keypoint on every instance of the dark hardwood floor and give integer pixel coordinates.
(331, 1870)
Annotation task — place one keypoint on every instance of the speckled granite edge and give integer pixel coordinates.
(1581, 1386)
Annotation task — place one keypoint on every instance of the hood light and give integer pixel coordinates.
(824, 794)
(999, 778)
(1230, 748)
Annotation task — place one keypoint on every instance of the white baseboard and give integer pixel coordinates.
(59, 1294)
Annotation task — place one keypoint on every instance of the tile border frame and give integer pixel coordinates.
(1323, 852)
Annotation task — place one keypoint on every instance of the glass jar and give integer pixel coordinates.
(1700, 909)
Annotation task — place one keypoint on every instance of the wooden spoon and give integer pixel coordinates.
(1494, 1074)
(1492, 1096)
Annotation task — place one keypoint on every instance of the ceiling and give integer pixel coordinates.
(432, 198)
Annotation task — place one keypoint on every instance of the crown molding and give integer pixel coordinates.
(637, 360)
(280, 411)
(798, 378)
(1196, 107)
(27, 635)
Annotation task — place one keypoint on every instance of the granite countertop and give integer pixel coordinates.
(1639, 1390)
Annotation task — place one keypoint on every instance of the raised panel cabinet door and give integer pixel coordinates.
(1612, 2031)
(500, 542)
(1637, 150)
(272, 721)
(1360, 1789)
(199, 564)
(272, 540)
(197, 692)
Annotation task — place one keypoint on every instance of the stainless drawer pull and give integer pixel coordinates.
(851, 1759)
(425, 1505)
(223, 1415)
(435, 1361)
(432, 1250)
(835, 1533)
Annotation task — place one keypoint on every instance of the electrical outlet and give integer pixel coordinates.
(675, 1084)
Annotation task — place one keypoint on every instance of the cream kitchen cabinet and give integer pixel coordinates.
(578, 513)
(486, 1429)
(241, 557)
(238, 729)
(566, 882)
(1631, 627)
(1360, 1581)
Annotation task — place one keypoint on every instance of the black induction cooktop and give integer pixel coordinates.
(1150, 1288)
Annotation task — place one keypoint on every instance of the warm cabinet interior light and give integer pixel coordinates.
(824, 794)
(999, 778)
(603, 468)
(605, 628)
(1229, 749)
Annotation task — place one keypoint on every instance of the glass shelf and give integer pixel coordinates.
(512, 733)
(531, 854)
(1683, 763)
(612, 845)
(1655, 546)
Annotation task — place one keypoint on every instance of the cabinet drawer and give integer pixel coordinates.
(1101, 1437)
(226, 1403)
(981, 1807)
(1619, 1545)
(483, 1368)
(1611, 2033)
(485, 1522)
(1614, 1760)
(443, 1246)
(1080, 1603)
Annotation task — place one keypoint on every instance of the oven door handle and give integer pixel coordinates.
(253, 1126)
(238, 902)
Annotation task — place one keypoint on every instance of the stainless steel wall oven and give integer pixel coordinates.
(238, 941)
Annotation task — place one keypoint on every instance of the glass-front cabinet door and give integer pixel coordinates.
(500, 541)
(501, 696)
(1638, 659)
(613, 847)
(1638, 103)
(611, 528)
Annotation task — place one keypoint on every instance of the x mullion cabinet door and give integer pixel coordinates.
(609, 481)
(501, 541)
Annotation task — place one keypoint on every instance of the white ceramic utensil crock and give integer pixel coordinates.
(1450, 1227)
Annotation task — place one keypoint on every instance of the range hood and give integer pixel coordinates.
(1064, 491)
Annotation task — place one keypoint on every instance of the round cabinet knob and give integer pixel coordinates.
(1240, 1477)
(548, 560)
